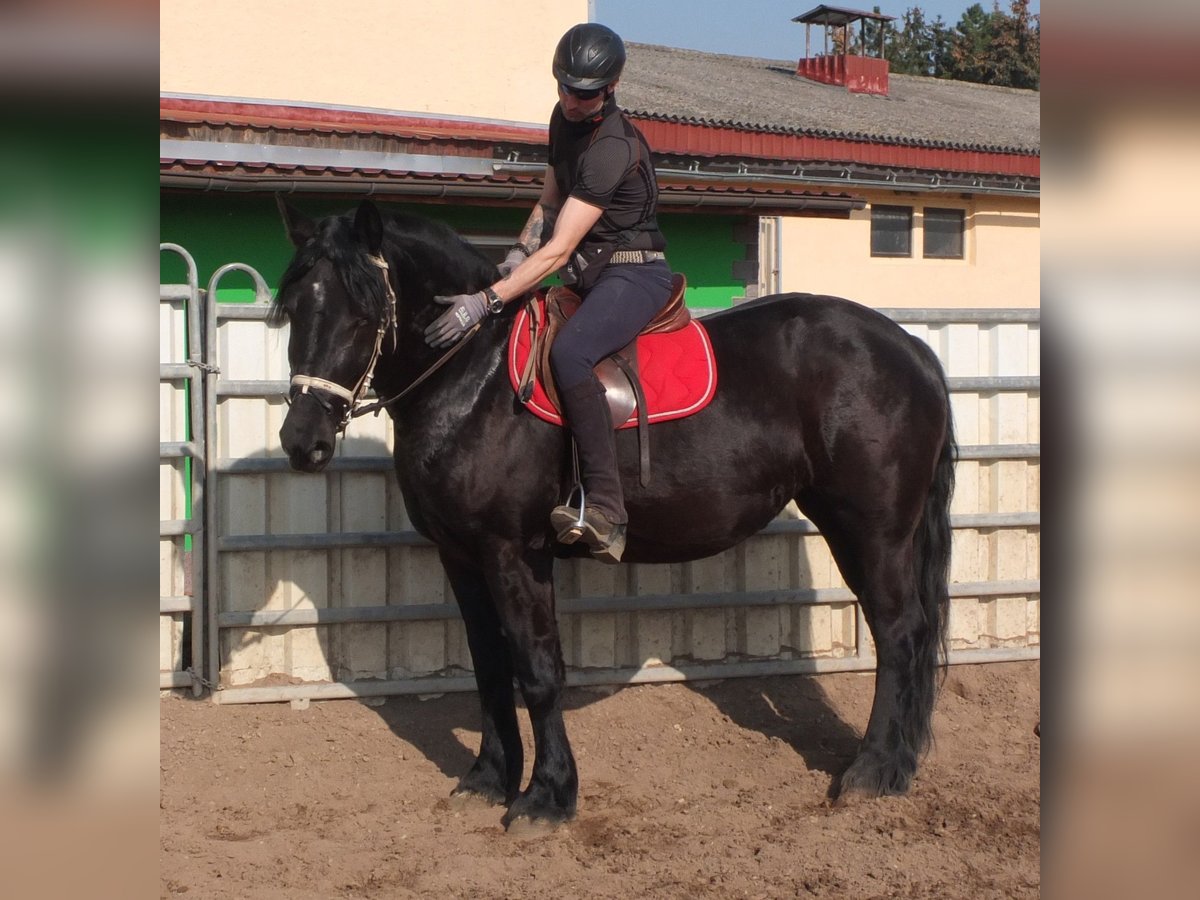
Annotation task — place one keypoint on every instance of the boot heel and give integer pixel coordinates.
(614, 549)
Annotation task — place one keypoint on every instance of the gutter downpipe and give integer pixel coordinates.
(778, 255)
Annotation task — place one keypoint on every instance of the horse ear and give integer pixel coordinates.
(368, 227)
(300, 228)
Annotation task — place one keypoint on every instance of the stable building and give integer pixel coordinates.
(775, 175)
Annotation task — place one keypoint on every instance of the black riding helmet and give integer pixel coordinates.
(589, 56)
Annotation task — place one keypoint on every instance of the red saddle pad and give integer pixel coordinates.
(677, 371)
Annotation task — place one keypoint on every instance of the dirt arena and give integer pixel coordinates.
(703, 790)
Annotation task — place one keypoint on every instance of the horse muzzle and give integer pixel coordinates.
(308, 438)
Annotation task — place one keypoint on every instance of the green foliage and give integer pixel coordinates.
(970, 44)
(997, 47)
(910, 50)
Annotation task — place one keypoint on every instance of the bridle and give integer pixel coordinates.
(353, 397)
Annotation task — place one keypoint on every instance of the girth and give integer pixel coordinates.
(618, 372)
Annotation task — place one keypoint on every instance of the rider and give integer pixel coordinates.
(595, 220)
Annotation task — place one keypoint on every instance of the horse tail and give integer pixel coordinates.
(931, 545)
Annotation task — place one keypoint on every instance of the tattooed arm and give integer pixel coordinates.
(537, 227)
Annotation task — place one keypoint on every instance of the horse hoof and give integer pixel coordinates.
(875, 775)
(464, 799)
(525, 828)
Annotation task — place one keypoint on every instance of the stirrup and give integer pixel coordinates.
(570, 532)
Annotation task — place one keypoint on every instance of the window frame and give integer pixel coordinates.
(961, 215)
(891, 207)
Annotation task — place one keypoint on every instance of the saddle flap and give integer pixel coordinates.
(675, 314)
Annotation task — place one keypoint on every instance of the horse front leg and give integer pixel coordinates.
(496, 774)
(522, 583)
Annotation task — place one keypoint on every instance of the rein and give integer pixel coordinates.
(441, 361)
(354, 397)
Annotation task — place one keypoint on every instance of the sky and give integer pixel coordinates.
(762, 28)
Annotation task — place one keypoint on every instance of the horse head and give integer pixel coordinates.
(335, 294)
(358, 294)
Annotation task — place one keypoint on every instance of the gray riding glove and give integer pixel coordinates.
(515, 257)
(465, 312)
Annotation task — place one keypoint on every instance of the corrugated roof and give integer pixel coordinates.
(717, 117)
(754, 94)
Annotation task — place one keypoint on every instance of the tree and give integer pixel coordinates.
(997, 47)
(866, 42)
(969, 43)
(941, 60)
(1015, 50)
(910, 52)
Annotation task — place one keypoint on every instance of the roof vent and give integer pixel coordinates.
(860, 74)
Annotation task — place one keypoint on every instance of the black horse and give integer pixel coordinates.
(818, 399)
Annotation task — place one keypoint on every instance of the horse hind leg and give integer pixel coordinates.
(893, 548)
(898, 731)
(900, 585)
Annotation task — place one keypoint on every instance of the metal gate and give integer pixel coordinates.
(181, 481)
(318, 587)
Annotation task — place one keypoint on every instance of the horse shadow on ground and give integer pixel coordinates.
(793, 709)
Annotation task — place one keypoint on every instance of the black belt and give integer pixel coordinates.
(637, 256)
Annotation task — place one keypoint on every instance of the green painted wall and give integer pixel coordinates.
(221, 228)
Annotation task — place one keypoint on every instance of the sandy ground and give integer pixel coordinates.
(711, 790)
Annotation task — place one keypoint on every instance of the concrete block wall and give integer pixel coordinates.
(993, 486)
(280, 502)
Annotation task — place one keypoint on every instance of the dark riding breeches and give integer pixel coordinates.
(624, 299)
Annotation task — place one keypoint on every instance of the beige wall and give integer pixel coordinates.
(1000, 267)
(455, 57)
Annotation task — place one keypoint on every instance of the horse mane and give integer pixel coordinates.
(431, 257)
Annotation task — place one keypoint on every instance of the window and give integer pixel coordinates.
(943, 233)
(891, 231)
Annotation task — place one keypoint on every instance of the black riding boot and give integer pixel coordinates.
(603, 525)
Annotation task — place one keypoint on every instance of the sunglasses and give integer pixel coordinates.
(580, 94)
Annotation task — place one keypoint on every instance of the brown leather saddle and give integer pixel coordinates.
(618, 373)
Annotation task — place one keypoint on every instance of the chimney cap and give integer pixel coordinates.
(838, 15)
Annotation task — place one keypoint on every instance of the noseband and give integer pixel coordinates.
(352, 398)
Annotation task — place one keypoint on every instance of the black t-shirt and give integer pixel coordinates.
(606, 162)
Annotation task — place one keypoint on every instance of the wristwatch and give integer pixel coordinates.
(494, 303)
